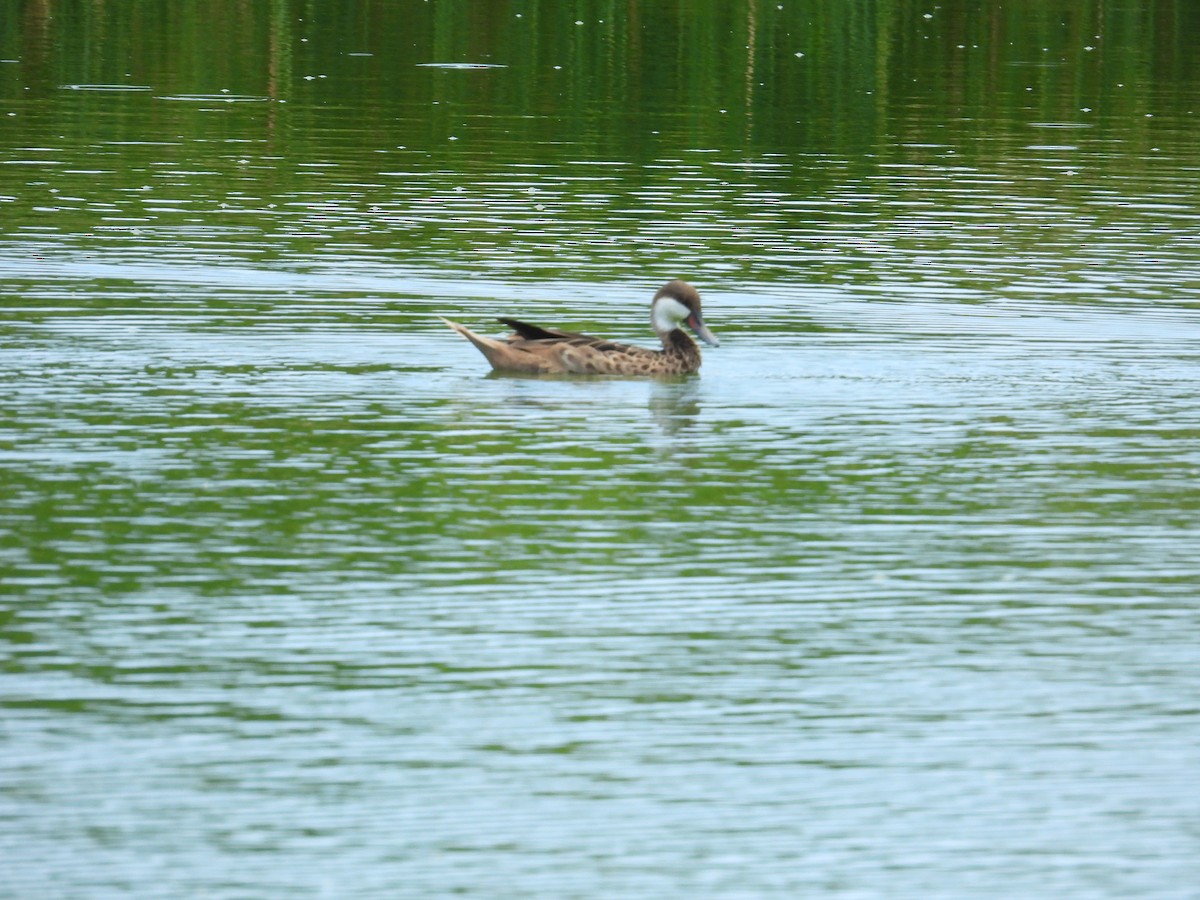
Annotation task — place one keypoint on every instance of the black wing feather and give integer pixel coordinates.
(537, 333)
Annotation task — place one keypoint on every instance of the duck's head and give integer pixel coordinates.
(677, 303)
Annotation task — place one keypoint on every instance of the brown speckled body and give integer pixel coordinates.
(549, 351)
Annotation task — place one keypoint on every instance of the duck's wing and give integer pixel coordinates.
(537, 333)
(527, 332)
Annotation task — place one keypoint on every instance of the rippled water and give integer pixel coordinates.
(897, 598)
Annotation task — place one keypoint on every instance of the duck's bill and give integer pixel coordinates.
(697, 325)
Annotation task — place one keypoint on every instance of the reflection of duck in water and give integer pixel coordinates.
(674, 404)
(548, 350)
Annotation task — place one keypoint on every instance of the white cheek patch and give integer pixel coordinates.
(668, 313)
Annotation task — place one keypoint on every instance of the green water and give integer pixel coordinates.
(897, 598)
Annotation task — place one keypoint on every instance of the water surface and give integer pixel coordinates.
(896, 598)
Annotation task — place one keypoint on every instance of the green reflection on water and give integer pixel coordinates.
(625, 80)
(359, 147)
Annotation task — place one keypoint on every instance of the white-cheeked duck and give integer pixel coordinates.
(532, 348)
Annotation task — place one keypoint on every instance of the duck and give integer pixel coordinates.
(550, 351)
